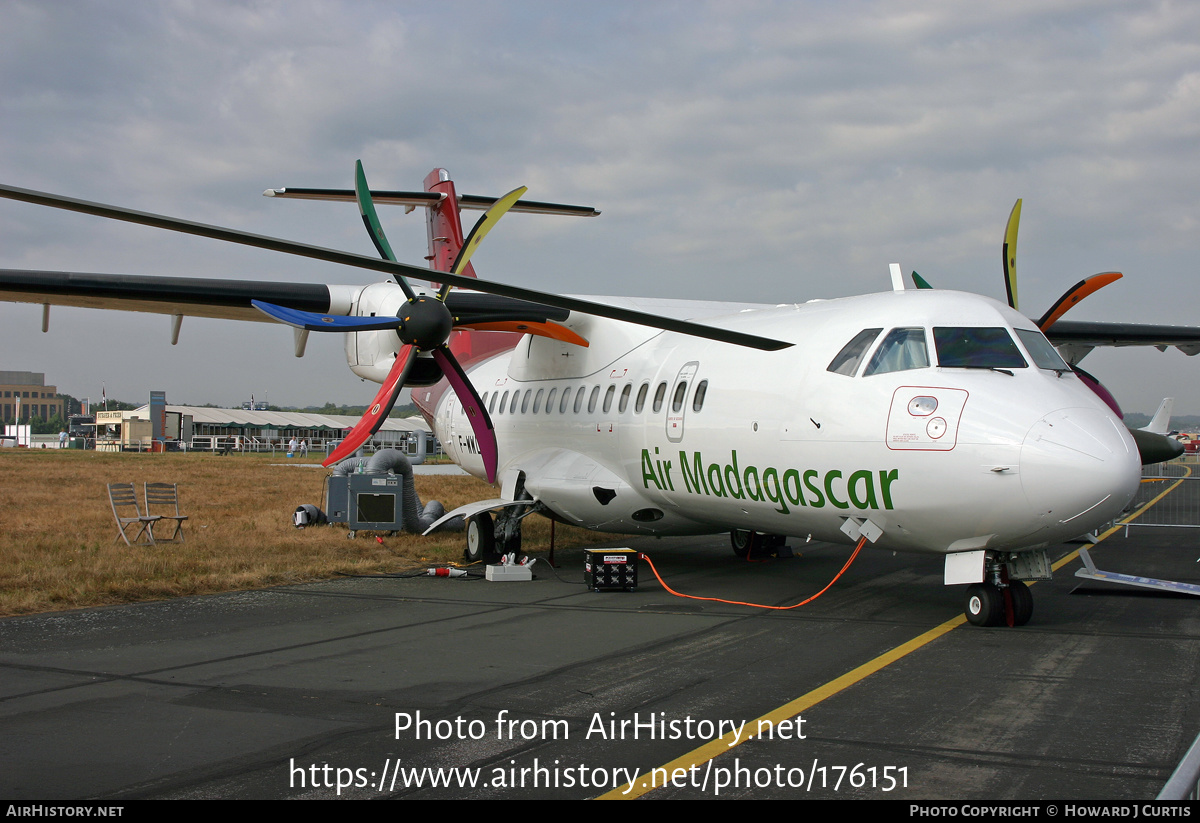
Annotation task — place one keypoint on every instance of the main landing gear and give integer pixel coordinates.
(489, 538)
(754, 544)
(998, 601)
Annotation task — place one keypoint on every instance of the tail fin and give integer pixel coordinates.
(1161, 423)
(444, 224)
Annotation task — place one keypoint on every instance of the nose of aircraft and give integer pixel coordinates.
(1079, 468)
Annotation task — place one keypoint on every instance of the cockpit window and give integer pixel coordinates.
(1042, 352)
(852, 353)
(977, 348)
(901, 350)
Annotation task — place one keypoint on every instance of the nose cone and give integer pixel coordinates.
(1079, 468)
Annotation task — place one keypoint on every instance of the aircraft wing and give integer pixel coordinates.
(191, 296)
(229, 299)
(1081, 336)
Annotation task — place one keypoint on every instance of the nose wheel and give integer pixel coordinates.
(988, 604)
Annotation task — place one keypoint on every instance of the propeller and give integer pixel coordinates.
(1070, 298)
(1152, 447)
(424, 325)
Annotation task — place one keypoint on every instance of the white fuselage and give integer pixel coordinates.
(941, 459)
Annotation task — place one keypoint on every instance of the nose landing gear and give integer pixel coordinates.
(990, 605)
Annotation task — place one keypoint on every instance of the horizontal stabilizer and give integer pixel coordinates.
(414, 199)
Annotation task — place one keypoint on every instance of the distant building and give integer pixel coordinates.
(36, 398)
(204, 427)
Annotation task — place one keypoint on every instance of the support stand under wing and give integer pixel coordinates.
(1090, 572)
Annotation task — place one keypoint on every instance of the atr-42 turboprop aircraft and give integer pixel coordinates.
(921, 420)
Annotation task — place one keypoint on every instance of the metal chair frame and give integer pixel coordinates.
(123, 497)
(165, 496)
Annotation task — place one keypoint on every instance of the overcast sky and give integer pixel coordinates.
(771, 152)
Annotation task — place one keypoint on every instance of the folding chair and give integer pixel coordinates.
(165, 496)
(123, 498)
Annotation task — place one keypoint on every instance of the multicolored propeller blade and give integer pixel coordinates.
(481, 423)
(479, 231)
(554, 331)
(380, 407)
(1010, 254)
(366, 207)
(1073, 295)
(323, 322)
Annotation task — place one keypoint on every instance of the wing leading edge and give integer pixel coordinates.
(1075, 338)
(233, 299)
(190, 296)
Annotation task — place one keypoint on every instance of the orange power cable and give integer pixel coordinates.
(861, 542)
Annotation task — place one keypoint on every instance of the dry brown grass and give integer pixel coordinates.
(57, 530)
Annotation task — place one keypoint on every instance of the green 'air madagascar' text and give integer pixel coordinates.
(863, 489)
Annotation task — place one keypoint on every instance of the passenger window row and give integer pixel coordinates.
(573, 399)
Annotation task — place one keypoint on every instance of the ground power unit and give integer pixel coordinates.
(365, 502)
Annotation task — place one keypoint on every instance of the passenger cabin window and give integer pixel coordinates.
(592, 399)
(512, 406)
(525, 402)
(701, 391)
(579, 398)
(1042, 352)
(641, 398)
(537, 401)
(625, 392)
(503, 401)
(901, 350)
(852, 354)
(659, 394)
(608, 397)
(566, 398)
(678, 398)
(550, 401)
(977, 348)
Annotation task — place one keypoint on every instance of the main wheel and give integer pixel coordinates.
(481, 539)
(742, 542)
(985, 604)
(1022, 602)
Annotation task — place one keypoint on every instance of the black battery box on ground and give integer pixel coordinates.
(610, 569)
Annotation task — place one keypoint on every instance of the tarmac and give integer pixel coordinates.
(463, 688)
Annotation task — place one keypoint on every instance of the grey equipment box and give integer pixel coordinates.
(366, 501)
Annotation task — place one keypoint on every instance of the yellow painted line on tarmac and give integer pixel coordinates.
(708, 751)
(680, 766)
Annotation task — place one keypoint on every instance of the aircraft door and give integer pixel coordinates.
(677, 400)
(453, 425)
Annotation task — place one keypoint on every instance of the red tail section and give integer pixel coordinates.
(444, 226)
